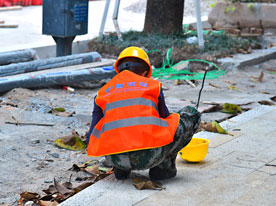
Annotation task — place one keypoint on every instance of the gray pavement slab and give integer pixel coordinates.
(241, 60)
(234, 172)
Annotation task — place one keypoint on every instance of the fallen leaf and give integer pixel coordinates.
(81, 167)
(273, 98)
(51, 190)
(212, 85)
(59, 109)
(94, 169)
(8, 103)
(69, 140)
(71, 143)
(61, 188)
(67, 185)
(83, 186)
(29, 196)
(108, 170)
(232, 88)
(48, 203)
(264, 92)
(231, 108)
(144, 183)
(230, 82)
(258, 79)
(61, 112)
(214, 127)
(242, 51)
(177, 82)
(265, 102)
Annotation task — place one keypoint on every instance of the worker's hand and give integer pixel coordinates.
(190, 116)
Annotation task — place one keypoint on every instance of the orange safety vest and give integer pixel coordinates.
(131, 120)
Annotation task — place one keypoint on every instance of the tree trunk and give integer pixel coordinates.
(164, 16)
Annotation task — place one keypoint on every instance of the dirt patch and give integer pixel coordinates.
(157, 46)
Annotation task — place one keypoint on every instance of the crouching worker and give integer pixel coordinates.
(131, 125)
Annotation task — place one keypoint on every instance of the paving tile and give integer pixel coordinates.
(269, 168)
(260, 189)
(167, 198)
(109, 192)
(243, 160)
(223, 138)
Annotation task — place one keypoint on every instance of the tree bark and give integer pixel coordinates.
(164, 16)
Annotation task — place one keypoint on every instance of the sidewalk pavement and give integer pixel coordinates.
(234, 171)
(29, 21)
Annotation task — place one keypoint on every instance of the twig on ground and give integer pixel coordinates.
(30, 123)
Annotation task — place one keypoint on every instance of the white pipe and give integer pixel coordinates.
(104, 18)
(115, 19)
(199, 25)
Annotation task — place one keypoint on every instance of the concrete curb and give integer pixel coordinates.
(241, 60)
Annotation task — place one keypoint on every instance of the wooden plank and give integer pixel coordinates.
(9, 26)
(10, 8)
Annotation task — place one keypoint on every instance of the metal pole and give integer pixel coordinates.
(63, 45)
(115, 19)
(104, 18)
(199, 25)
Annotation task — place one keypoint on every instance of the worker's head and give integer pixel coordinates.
(134, 59)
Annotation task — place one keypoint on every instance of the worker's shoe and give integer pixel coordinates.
(159, 173)
(121, 174)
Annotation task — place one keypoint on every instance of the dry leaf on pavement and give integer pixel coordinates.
(232, 88)
(212, 85)
(230, 82)
(265, 102)
(141, 182)
(61, 112)
(258, 79)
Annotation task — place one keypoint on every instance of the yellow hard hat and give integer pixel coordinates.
(134, 52)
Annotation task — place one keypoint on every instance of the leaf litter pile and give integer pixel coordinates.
(59, 192)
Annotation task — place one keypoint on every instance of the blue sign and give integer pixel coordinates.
(81, 11)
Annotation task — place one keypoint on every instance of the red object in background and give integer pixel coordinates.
(15, 2)
(36, 2)
(26, 2)
(20, 2)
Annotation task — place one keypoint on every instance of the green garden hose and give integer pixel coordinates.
(167, 70)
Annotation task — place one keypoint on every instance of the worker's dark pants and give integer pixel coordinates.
(162, 157)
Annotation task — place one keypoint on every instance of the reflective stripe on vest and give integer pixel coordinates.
(130, 122)
(130, 102)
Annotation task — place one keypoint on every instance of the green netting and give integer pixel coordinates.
(205, 32)
(167, 70)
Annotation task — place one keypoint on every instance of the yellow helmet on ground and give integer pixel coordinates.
(134, 52)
